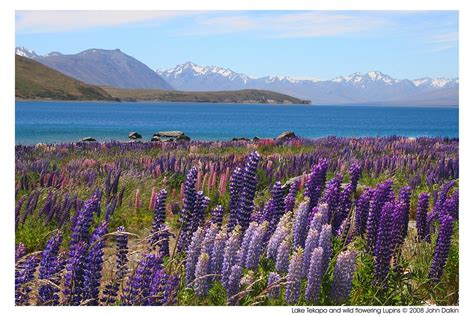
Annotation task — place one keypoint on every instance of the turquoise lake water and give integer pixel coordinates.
(54, 122)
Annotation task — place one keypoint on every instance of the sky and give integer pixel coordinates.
(301, 44)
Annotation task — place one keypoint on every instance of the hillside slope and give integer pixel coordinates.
(237, 96)
(36, 81)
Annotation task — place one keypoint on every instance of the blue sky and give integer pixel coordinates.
(302, 44)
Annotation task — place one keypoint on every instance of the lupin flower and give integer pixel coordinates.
(20, 251)
(202, 281)
(290, 198)
(300, 225)
(362, 211)
(345, 205)
(192, 255)
(256, 246)
(138, 288)
(49, 270)
(382, 194)
(110, 291)
(94, 263)
(83, 221)
(421, 212)
(315, 276)
(312, 241)
(158, 217)
(202, 202)
(217, 215)
(273, 285)
(315, 182)
(343, 273)
(217, 257)
(384, 242)
(332, 199)
(235, 189)
(233, 284)
(295, 274)
(355, 171)
(278, 206)
(404, 196)
(73, 289)
(281, 232)
(326, 244)
(231, 254)
(248, 190)
(24, 273)
(186, 214)
(283, 255)
(443, 244)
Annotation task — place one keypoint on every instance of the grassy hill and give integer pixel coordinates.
(36, 81)
(237, 96)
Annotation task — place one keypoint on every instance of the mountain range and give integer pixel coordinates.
(372, 87)
(116, 69)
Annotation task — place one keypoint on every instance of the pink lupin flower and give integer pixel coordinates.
(151, 205)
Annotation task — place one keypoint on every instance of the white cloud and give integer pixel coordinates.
(288, 25)
(64, 21)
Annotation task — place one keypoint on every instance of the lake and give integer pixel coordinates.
(54, 122)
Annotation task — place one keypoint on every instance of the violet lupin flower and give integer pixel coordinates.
(202, 281)
(278, 206)
(315, 276)
(83, 221)
(109, 293)
(137, 291)
(73, 289)
(217, 215)
(187, 212)
(312, 241)
(404, 197)
(281, 232)
(209, 239)
(362, 211)
(315, 183)
(290, 198)
(25, 273)
(345, 205)
(192, 255)
(158, 217)
(202, 202)
(273, 285)
(235, 189)
(256, 246)
(231, 254)
(246, 241)
(421, 213)
(300, 225)
(20, 251)
(443, 244)
(295, 274)
(355, 171)
(382, 194)
(283, 255)
(248, 190)
(233, 284)
(343, 273)
(326, 244)
(384, 243)
(332, 199)
(49, 270)
(94, 263)
(217, 256)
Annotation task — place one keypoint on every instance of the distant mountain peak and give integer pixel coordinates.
(190, 69)
(25, 52)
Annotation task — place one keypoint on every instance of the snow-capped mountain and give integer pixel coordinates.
(371, 87)
(199, 78)
(25, 52)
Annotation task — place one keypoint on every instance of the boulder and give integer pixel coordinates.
(88, 139)
(236, 139)
(256, 138)
(286, 135)
(170, 136)
(134, 135)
